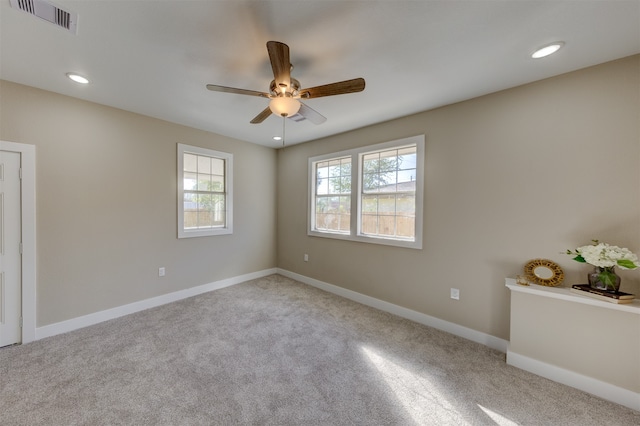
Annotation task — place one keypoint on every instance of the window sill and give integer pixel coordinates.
(368, 240)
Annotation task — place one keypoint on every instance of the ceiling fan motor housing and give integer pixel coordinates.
(292, 90)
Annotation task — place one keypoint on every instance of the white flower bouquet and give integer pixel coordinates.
(605, 257)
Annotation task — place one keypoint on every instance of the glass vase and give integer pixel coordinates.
(604, 279)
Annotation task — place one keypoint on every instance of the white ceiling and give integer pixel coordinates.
(155, 57)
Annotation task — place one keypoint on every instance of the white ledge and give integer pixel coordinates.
(565, 293)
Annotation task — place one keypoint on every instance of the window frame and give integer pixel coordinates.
(313, 212)
(357, 154)
(227, 228)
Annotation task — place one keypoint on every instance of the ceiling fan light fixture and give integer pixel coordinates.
(284, 106)
(547, 50)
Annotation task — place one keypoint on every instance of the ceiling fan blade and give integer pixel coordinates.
(262, 116)
(339, 88)
(311, 114)
(280, 63)
(216, 88)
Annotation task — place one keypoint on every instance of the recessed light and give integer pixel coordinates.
(277, 138)
(78, 78)
(547, 50)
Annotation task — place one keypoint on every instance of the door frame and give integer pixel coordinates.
(28, 215)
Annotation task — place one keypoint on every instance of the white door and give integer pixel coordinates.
(10, 257)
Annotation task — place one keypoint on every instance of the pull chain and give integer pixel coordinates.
(283, 118)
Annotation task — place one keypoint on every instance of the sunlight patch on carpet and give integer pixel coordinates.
(418, 395)
(498, 418)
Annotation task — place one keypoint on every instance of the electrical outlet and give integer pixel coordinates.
(161, 272)
(306, 257)
(455, 293)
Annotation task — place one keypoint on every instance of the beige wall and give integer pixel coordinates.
(516, 175)
(106, 204)
(512, 176)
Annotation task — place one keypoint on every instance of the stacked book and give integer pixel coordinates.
(608, 296)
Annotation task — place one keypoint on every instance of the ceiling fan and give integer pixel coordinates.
(285, 93)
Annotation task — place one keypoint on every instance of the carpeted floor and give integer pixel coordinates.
(273, 351)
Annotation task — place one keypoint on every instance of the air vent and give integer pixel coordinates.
(48, 12)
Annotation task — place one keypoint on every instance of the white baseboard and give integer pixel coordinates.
(98, 317)
(587, 384)
(458, 330)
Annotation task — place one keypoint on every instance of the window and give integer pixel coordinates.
(387, 193)
(204, 192)
(333, 195)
